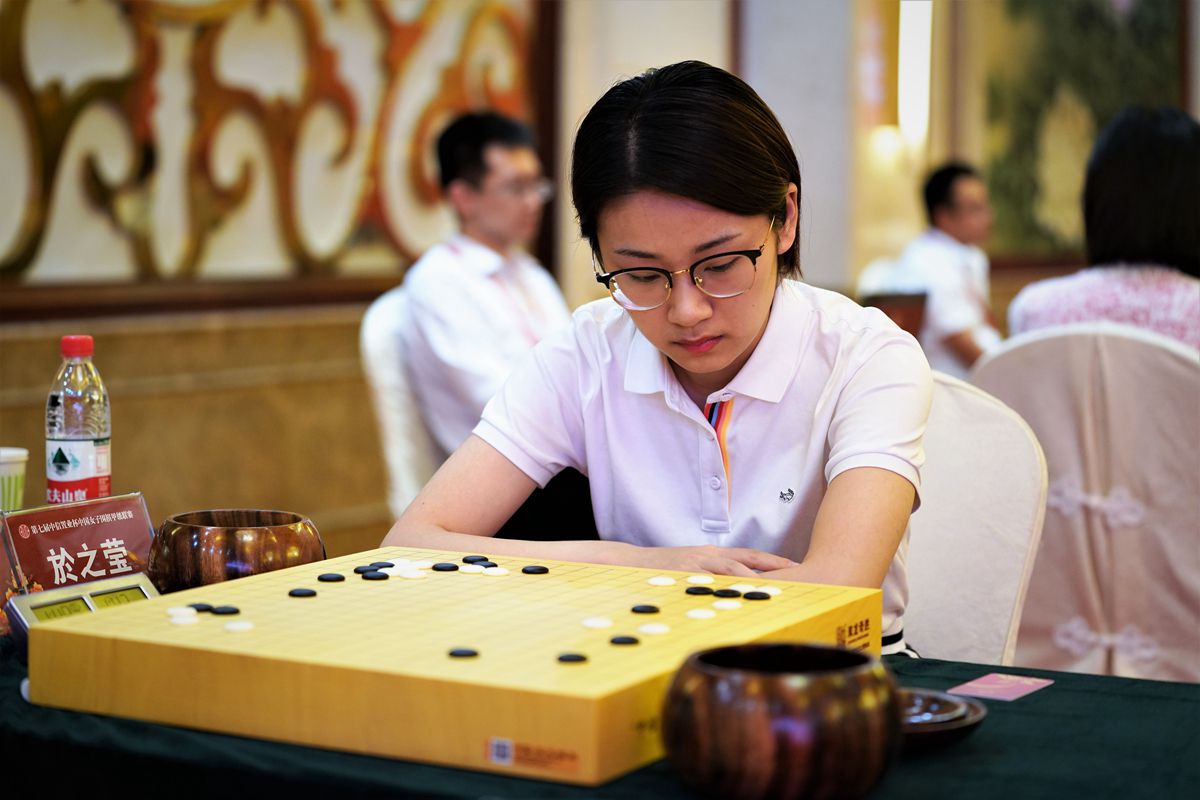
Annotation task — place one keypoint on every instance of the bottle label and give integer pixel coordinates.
(77, 469)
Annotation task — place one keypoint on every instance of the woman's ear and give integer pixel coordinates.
(789, 224)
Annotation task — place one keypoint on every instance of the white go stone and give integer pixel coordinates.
(181, 611)
(727, 605)
(471, 569)
(411, 574)
(743, 587)
(654, 628)
(700, 579)
(239, 626)
(771, 590)
(701, 613)
(420, 565)
(597, 622)
(495, 571)
(661, 580)
(184, 619)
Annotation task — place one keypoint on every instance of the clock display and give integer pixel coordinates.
(63, 608)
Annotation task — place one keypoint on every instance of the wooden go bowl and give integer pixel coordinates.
(202, 547)
(782, 721)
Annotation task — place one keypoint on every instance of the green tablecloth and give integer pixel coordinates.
(1084, 736)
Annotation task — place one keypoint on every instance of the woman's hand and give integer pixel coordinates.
(740, 561)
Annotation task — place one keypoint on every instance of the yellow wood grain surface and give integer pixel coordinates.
(363, 666)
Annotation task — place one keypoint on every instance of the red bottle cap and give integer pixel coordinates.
(77, 346)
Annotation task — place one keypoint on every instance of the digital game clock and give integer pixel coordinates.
(36, 608)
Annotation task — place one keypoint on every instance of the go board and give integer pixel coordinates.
(557, 672)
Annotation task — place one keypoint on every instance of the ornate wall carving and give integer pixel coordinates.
(175, 141)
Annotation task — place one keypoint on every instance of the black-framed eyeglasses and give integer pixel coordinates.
(722, 276)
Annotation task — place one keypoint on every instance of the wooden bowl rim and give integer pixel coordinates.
(176, 519)
(698, 660)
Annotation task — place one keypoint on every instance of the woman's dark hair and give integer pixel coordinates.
(688, 129)
(1141, 199)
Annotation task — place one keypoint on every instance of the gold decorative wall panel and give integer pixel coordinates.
(176, 141)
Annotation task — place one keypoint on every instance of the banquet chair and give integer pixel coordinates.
(1116, 586)
(409, 450)
(972, 541)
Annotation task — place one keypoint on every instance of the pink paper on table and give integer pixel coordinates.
(998, 686)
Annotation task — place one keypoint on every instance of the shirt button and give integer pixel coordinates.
(714, 482)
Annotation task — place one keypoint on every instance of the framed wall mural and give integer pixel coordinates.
(1047, 77)
(196, 144)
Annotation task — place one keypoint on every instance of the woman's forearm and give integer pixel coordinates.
(809, 573)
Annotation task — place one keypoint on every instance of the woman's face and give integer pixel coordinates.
(707, 339)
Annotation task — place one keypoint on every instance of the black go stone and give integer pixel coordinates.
(374, 576)
(382, 564)
(572, 658)
(302, 593)
(623, 640)
(226, 610)
(474, 559)
(331, 577)
(699, 590)
(756, 596)
(201, 607)
(366, 568)
(644, 609)
(485, 564)
(727, 593)
(445, 566)
(535, 569)
(463, 652)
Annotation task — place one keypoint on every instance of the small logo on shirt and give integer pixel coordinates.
(787, 497)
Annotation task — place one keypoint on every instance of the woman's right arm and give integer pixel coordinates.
(478, 489)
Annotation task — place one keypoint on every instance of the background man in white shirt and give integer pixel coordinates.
(946, 263)
(478, 302)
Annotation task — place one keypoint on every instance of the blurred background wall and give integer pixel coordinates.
(215, 190)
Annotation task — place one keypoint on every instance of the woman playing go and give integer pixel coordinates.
(729, 418)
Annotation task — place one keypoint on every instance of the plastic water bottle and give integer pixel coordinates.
(78, 428)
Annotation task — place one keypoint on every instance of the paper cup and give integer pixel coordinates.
(12, 477)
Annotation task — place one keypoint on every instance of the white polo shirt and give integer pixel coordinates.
(831, 386)
(473, 315)
(955, 278)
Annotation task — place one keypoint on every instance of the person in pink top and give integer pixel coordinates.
(1141, 213)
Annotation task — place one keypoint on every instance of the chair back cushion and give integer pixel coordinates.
(972, 541)
(409, 450)
(1116, 586)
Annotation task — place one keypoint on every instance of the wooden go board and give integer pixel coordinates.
(365, 664)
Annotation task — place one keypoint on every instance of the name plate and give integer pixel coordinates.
(50, 547)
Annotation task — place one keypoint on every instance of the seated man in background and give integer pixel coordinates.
(478, 302)
(946, 263)
(1141, 217)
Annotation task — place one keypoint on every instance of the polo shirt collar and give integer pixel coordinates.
(647, 370)
(765, 376)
